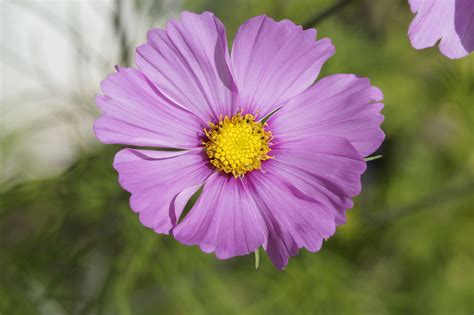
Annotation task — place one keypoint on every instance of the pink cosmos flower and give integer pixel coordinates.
(449, 21)
(284, 184)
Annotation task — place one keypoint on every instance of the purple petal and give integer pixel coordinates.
(154, 178)
(450, 22)
(464, 26)
(225, 219)
(415, 5)
(274, 61)
(326, 168)
(293, 220)
(340, 105)
(182, 199)
(188, 62)
(136, 113)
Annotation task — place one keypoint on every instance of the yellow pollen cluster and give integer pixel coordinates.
(237, 145)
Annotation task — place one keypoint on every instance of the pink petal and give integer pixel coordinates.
(464, 26)
(326, 168)
(188, 62)
(340, 105)
(450, 22)
(415, 5)
(154, 178)
(293, 220)
(182, 199)
(136, 113)
(225, 219)
(274, 61)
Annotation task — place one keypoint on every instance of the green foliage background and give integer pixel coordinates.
(71, 245)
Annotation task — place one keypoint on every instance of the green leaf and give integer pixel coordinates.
(371, 158)
(264, 119)
(257, 257)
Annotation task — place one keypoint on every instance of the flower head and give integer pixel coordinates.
(277, 158)
(451, 22)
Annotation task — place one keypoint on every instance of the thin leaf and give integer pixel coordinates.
(257, 258)
(371, 158)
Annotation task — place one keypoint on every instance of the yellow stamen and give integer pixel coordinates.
(237, 145)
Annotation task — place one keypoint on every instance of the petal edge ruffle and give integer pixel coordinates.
(136, 113)
(154, 178)
(274, 61)
(341, 105)
(189, 63)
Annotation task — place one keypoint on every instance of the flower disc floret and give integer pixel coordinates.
(238, 144)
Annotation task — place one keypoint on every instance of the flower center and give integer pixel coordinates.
(237, 145)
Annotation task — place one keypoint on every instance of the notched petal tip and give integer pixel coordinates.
(329, 50)
(273, 62)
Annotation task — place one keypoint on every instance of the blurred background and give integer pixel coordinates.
(69, 244)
